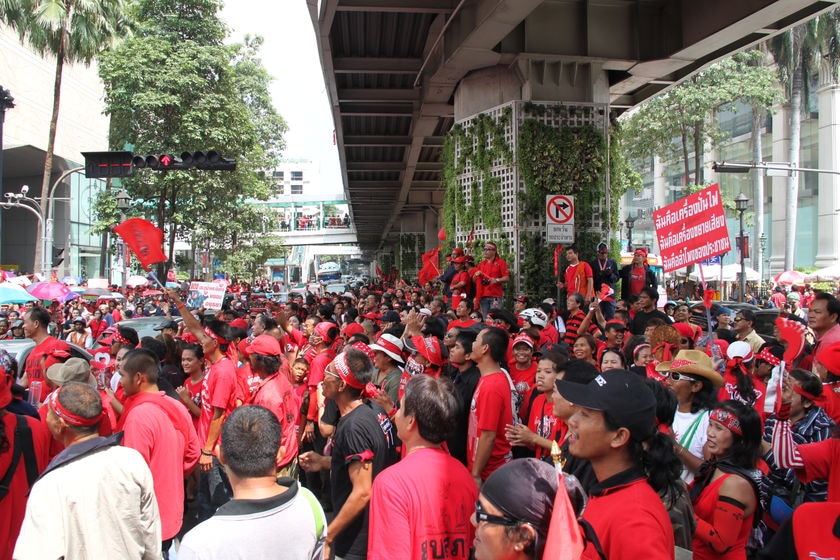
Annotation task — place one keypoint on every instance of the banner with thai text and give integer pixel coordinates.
(692, 229)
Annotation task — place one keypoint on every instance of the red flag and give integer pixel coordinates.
(430, 269)
(379, 272)
(557, 251)
(564, 540)
(442, 234)
(144, 239)
(471, 236)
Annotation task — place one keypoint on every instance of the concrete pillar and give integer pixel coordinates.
(828, 225)
(781, 139)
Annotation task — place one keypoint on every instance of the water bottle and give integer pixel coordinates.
(35, 393)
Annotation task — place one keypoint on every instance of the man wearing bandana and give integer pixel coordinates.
(96, 497)
(364, 445)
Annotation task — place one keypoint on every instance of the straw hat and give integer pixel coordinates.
(693, 362)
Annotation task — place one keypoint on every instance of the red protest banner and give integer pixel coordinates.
(144, 239)
(692, 229)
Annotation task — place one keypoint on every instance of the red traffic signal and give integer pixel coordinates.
(209, 160)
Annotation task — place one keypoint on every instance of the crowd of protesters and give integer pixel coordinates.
(400, 421)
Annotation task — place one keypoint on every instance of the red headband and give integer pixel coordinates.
(666, 350)
(346, 374)
(729, 420)
(214, 336)
(117, 337)
(818, 400)
(768, 357)
(66, 415)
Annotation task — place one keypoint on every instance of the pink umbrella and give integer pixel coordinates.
(48, 290)
(790, 277)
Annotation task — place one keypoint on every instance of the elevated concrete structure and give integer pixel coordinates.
(399, 73)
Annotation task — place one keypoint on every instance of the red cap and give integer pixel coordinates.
(353, 328)
(266, 345)
(243, 347)
(322, 330)
(240, 322)
(686, 330)
(523, 338)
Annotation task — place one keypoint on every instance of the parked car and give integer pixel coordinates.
(764, 323)
(145, 326)
(21, 347)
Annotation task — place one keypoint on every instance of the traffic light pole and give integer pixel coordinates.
(49, 219)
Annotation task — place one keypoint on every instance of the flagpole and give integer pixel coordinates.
(155, 278)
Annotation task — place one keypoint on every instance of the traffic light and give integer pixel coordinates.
(58, 257)
(108, 164)
(210, 160)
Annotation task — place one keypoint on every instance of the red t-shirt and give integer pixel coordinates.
(219, 390)
(41, 357)
(705, 508)
(276, 394)
(638, 277)
(13, 506)
(195, 396)
(541, 421)
(491, 410)
(248, 380)
(523, 379)
(821, 459)
(496, 268)
(730, 391)
(317, 367)
(576, 277)
(162, 431)
(630, 522)
(420, 508)
(461, 324)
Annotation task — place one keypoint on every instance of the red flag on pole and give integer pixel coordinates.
(379, 272)
(564, 540)
(144, 239)
(430, 270)
(442, 234)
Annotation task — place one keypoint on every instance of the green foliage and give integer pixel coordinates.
(482, 146)
(408, 257)
(174, 86)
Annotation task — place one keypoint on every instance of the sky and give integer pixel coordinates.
(290, 55)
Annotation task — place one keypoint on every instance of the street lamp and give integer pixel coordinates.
(630, 222)
(22, 200)
(762, 243)
(123, 203)
(741, 202)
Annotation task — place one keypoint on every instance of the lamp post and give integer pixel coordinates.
(21, 200)
(741, 202)
(630, 222)
(6, 102)
(123, 203)
(762, 243)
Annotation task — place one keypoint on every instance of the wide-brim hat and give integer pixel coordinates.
(693, 362)
(389, 345)
(73, 370)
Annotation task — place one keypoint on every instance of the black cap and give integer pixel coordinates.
(168, 325)
(621, 395)
(390, 317)
(602, 246)
(555, 348)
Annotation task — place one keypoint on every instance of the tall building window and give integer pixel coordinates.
(297, 175)
(278, 175)
(297, 189)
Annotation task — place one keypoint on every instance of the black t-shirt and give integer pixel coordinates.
(640, 321)
(465, 383)
(365, 433)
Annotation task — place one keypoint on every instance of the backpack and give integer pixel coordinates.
(25, 447)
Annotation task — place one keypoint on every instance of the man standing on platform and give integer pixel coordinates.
(605, 273)
(578, 276)
(490, 278)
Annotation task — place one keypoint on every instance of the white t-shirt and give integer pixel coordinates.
(691, 436)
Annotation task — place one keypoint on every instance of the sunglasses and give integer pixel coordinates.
(482, 516)
(680, 377)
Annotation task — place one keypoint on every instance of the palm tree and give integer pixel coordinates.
(795, 54)
(72, 31)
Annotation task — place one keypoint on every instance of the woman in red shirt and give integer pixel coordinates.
(725, 489)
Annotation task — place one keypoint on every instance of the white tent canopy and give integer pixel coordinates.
(827, 274)
(727, 273)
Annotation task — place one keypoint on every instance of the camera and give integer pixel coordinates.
(485, 282)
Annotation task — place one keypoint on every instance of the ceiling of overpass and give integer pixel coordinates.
(392, 68)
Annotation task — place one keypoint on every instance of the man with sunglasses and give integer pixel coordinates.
(744, 321)
(490, 277)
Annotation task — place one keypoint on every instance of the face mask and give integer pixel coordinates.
(413, 367)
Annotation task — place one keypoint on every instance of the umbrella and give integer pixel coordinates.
(96, 292)
(48, 290)
(136, 280)
(71, 280)
(789, 277)
(173, 285)
(827, 274)
(69, 297)
(20, 280)
(731, 272)
(111, 295)
(12, 293)
(97, 283)
(147, 293)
